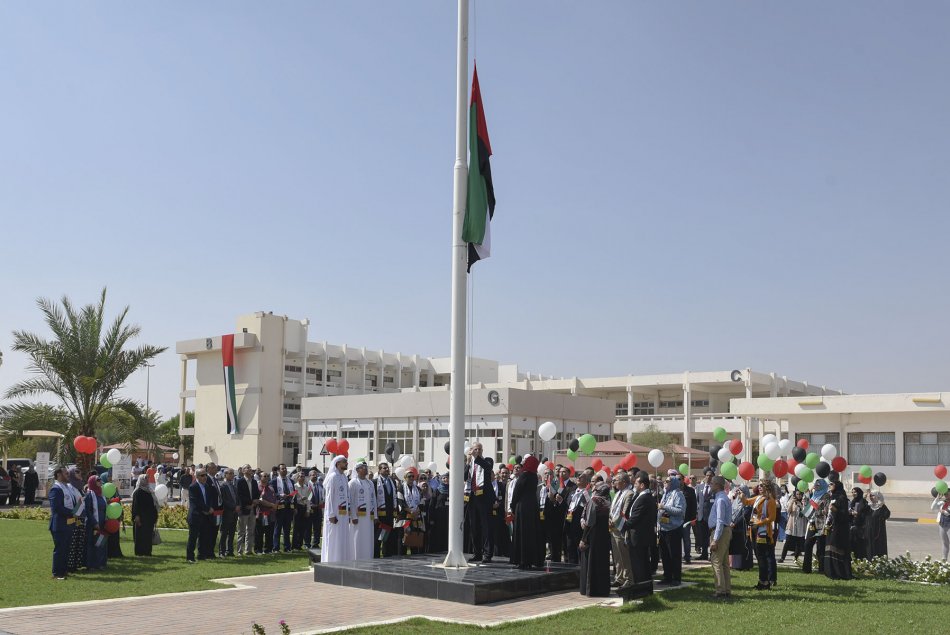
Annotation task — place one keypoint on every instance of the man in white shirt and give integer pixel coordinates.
(362, 493)
(337, 546)
(621, 483)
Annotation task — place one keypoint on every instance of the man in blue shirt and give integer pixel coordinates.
(670, 515)
(720, 533)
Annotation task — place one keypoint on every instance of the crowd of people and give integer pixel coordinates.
(620, 529)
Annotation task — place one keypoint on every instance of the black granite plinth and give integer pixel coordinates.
(418, 575)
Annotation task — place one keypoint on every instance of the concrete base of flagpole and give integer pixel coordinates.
(454, 560)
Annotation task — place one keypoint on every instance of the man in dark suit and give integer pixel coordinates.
(284, 488)
(217, 510)
(576, 504)
(231, 507)
(479, 497)
(689, 519)
(640, 529)
(248, 493)
(61, 521)
(199, 516)
(386, 513)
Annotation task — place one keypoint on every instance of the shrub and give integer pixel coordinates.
(903, 568)
(168, 517)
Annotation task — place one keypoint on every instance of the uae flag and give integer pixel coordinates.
(227, 361)
(480, 200)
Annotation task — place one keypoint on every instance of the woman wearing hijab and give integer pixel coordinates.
(594, 547)
(95, 534)
(113, 544)
(876, 526)
(439, 517)
(761, 533)
(858, 508)
(942, 505)
(795, 526)
(527, 543)
(669, 516)
(77, 549)
(838, 547)
(144, 516)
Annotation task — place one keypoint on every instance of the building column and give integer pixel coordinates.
(415, 371)
(629, 402)
(656, 403)
(363, 370)
(326, 369)
(376, 448)
(346, 364)
(744, 438)
(398, 382)
(415, 440)
(687, 412)
(182, 406)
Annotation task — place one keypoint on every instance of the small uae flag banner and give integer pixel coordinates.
(480, 200)
(227, 361)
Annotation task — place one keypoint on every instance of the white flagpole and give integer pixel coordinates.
(456, 555)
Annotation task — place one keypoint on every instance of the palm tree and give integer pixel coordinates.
(84, 365)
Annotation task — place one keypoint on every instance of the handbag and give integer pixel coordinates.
(156, 537)
(412, 539)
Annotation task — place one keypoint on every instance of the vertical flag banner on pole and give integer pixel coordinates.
(227, 361)
(480, 200)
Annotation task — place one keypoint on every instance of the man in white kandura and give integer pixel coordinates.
(337, 544)
(363, 520)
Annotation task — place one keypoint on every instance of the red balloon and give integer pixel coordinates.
(791, 463)
(597, 464)
(331, 446)
(345, 455)
(112, 525)
(780, 468)
(607, 469)
(839, 464)
(865, 479)
(343, 447)
(735, 446)
(79, 443)
(550, 465)
(90, 445)
(570, 467)
(746, 470)
(940, 471)
(803, 444)
(631, 460)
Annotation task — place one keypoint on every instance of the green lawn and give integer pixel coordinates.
(26, 553)
(801, 603)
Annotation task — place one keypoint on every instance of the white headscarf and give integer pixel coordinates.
(141, 483)
(337, 459)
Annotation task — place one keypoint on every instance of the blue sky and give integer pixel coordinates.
(685, 185)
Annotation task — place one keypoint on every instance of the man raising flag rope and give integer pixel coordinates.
(480, 200)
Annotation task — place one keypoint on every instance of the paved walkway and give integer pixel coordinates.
(307, 607)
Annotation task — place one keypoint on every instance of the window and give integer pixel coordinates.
(699, 403)
(871, 448)
(621, 409)
(291, 406)
(816, 440)
(926, 448)
(643, 408)
(372, 380)
(700, 444)
(316, 372)
(290, 368)
(671, 404)
(389, 380)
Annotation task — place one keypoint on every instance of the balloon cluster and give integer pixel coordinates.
(109, 459)
(585, 444)
(85, 445)
(338, 447)
(941, 486)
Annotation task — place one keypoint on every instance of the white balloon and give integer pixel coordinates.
(400, 472)
(161, 492)
(799, 469)
(786, 446)
(725, 455)
(547, 430)
(828, 452)
(769, 438)
(114, 456)
(405, 460)
(433, 467)
(655, 457)
(175, 456)
(773, 451)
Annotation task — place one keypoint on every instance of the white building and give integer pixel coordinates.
(290, 389)
(902, 435)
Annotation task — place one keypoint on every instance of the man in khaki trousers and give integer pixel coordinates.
(618, 544)
(720, 533)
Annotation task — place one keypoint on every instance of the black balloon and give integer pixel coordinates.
(934, 492)
(795, 481)
(544, 460)
(714, 451)
(714, 463)
(518, 460)
(575, 445)
(799, 454)
(880, 478)
(823, 470)
(446, 446)
(390, 450)
(834, 477)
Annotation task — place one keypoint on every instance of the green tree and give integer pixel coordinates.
(83, 366)
(168, 433)
(652, 437)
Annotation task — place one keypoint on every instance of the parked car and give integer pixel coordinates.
(4, 486)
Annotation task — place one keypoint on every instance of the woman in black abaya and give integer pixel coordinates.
(838, 548)
(876, 526)
(526, 529)
(595, 545)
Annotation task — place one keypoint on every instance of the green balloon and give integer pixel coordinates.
(807, 475)
(113, 511)
(109, 490)
(729, 470)
(802, 486)
(684, 469)
(511, 459)
(765, 462)
(587, 444)
(571, 454)
(104, 461)
(941, 487)
(812, 460)
(866, 471)
(720, 434)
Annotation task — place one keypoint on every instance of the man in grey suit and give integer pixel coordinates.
(232, 508)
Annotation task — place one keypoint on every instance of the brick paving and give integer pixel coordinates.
(308, 607)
